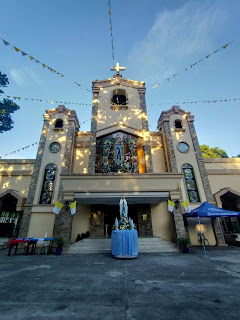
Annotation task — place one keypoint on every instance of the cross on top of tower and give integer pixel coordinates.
(117, 68)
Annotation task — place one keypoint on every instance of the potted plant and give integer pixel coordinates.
(60, 244)
(184, 243)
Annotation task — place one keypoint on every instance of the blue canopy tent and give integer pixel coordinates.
(207, 210)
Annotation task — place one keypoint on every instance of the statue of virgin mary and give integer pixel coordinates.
(123, 207)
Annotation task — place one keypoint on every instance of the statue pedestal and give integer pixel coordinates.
(125, 244)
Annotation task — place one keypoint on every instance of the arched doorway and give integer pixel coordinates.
(11, 205)
(229, 199)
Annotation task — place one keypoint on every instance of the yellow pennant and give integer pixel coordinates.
(31, 57)
(16, 49)
(44, 65)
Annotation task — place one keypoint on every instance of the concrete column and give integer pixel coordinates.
(147, 143)
(206, 185)
(63, 221)
(171, 152)
(92, 148)
(33, 183)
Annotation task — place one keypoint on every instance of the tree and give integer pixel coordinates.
(214, 152)
(7, 107)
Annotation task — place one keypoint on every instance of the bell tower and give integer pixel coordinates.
(119, 105)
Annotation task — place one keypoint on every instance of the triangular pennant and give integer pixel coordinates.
(31, 57)
(208, 56)
(48, 68)
(53, 70)
(224, 47)
(6, 43)
(16, 49)
(62, 75)
(18, 98)
(216, 50)
(8, 97)
(44, 65)
(24, 53)
(37, 61)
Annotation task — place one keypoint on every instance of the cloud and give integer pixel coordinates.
(176, 39)
(25, 77)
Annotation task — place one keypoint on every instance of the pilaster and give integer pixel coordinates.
(92, 148)
(63, 221)
(206, 185)
(147, 143)
(171, 152)
(33, 184)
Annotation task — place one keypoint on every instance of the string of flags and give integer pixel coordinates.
(50, 101)
(152, 104)
(35, 143)
(110, 20)
(200, 101)
(194, 64)
(58, 207)
(44, 65)
(20, 149)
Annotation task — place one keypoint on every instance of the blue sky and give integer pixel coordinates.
(154, 39)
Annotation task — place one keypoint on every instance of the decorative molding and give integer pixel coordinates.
(222, 160)
(17, 161)
(16, 173)
(223, 171)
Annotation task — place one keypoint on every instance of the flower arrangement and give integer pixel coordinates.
(123, 224)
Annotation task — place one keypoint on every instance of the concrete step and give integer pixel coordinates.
(94, 245)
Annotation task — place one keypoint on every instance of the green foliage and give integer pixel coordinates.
(60, 242)
(184, 242)
(214, 152)
(7, 107)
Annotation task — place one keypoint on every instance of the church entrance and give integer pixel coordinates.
(102, 218)
(111, 212)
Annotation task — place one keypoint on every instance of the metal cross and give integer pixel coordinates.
(117, 68)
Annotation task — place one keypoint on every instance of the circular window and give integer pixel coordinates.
(55, 147)
(183, 147)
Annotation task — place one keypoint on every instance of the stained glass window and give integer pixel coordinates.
(191, 184)
(48, 183)
(120, 152)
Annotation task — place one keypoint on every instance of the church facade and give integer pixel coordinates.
(120, 155)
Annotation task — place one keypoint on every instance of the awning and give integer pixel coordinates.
(113, 198)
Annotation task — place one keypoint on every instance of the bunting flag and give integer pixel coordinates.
(44, 65)
(171, 205)
(49, 101)
(57, 208)
(110, 20)
(186, 206)
(194, 64)
(73, 207)
(17, 150)
(200, 101)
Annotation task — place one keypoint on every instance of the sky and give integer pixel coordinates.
(153, 39)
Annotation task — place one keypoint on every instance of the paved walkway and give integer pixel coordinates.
(95, 286)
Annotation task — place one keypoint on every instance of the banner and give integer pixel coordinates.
(73, 207)
(186, 206)
(57, 208)
(170, 205)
